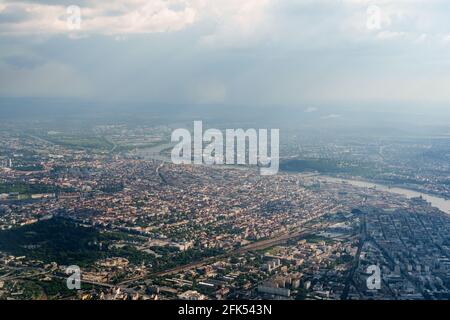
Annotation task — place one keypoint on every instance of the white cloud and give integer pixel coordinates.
(311, 109)
(98, 17)
(235, 21)
(233, 18)
(330, 116)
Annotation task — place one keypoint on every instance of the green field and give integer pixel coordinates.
(51, 240)
(80, 141)
(328, 166)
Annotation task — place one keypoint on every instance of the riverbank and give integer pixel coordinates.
(438, 202)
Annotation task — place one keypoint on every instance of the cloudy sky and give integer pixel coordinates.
(245, 52)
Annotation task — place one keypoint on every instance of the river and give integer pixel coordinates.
(438, 202)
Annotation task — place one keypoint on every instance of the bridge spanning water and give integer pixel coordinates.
(438, 202)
